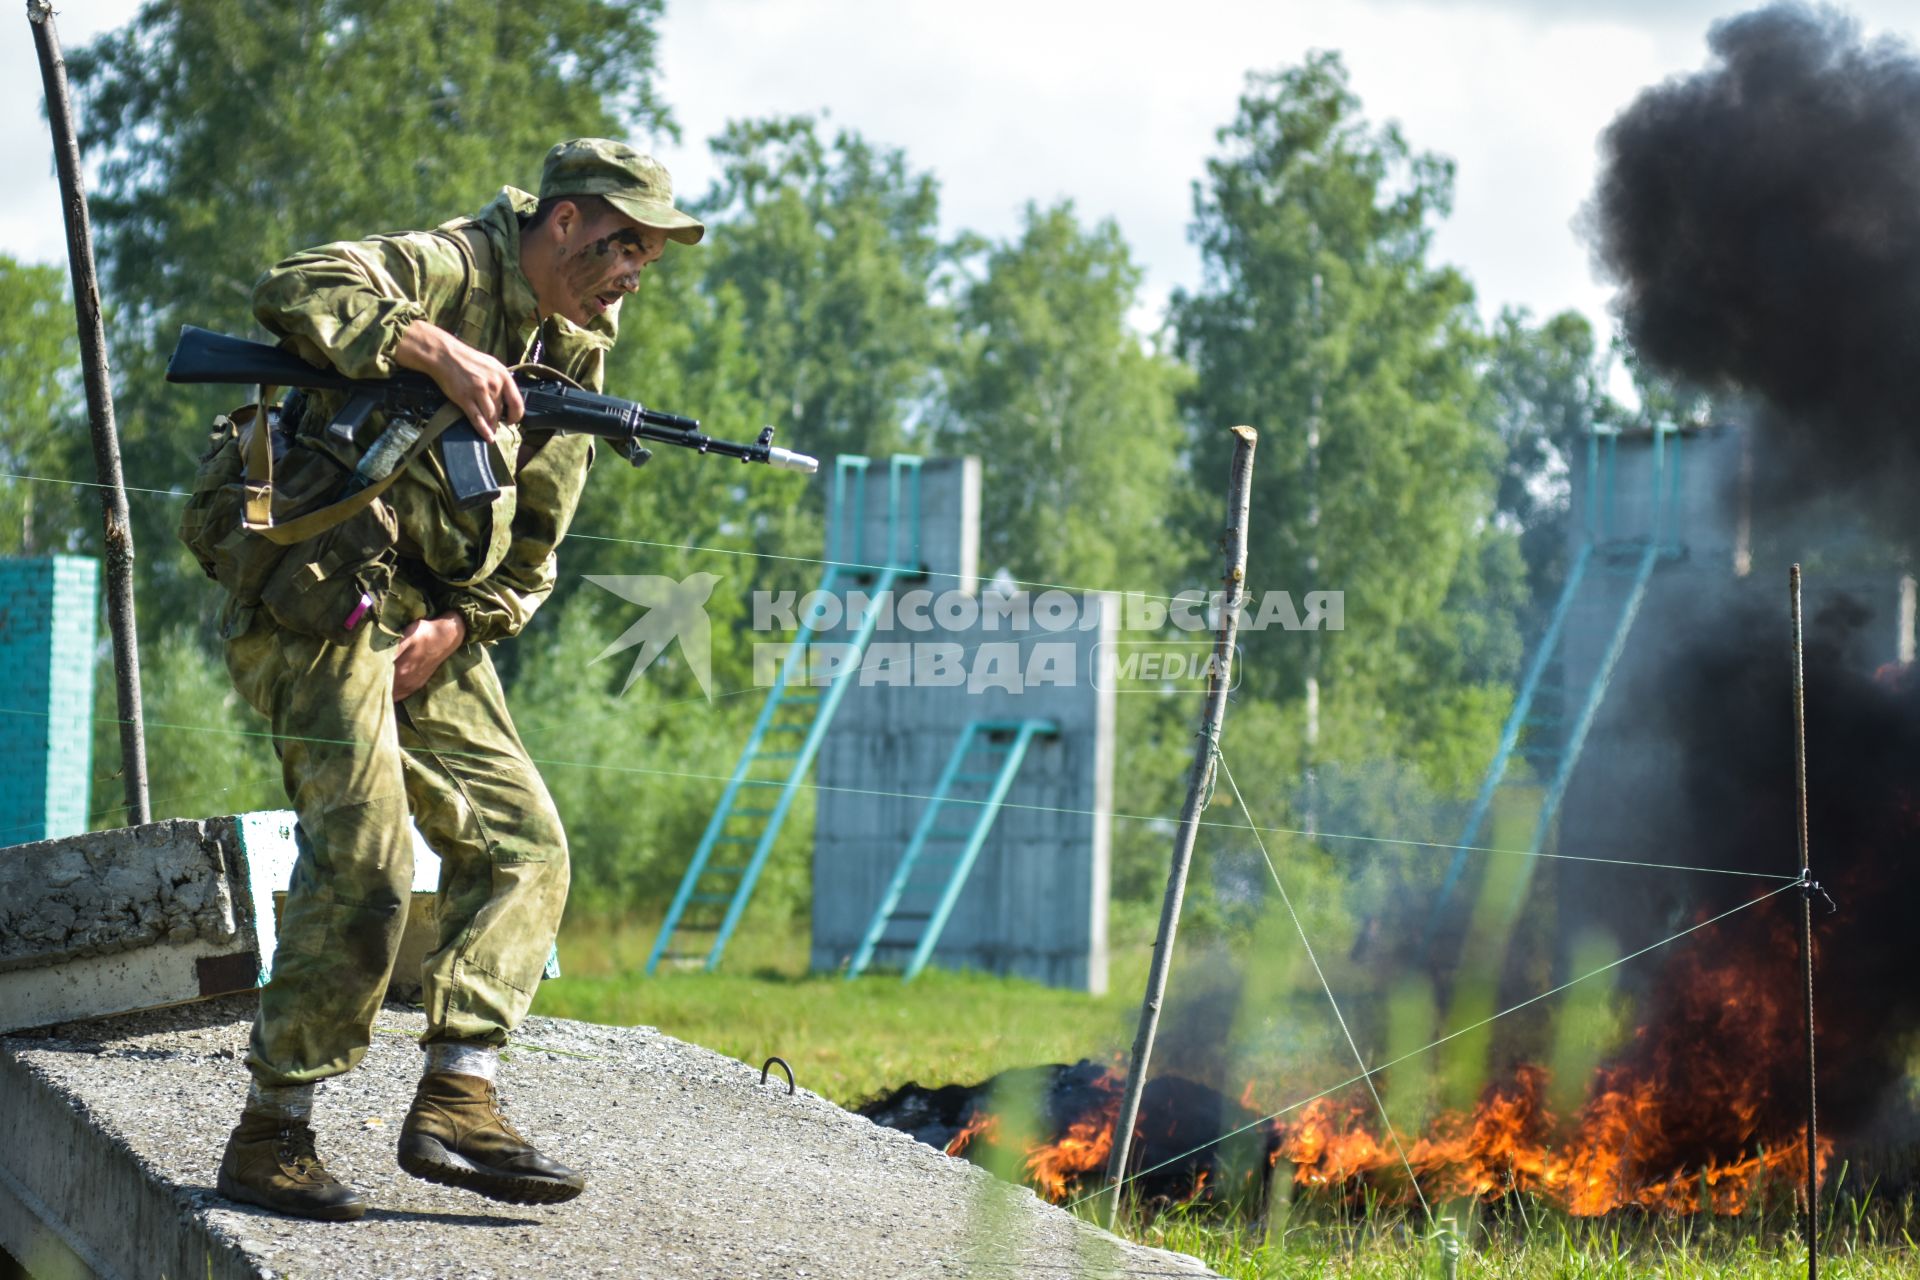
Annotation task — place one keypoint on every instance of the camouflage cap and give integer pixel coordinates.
(635, 184)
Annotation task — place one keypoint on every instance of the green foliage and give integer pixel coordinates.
(1662, 400)
(1075, 422)
(636, 774)
(43, 416)
(1547, 384)
(685, 356)
(1153, 749)
(1360, 1243)
(834, 252)
(1076, 425)
(233, 132)
(1321, 311)
(207, 752)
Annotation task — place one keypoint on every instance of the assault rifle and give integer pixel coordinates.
(409, 399)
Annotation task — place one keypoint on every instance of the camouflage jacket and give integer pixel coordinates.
(346, 304)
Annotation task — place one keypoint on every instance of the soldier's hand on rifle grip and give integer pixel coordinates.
(474, 380)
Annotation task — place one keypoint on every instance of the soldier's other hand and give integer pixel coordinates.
(479, 384)
(424, 645)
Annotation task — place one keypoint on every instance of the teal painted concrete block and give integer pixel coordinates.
(48, 625)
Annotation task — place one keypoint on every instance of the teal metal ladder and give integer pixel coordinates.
(715, 890)
(1549, 722)
(926, 885)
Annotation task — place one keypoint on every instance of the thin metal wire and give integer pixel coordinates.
(1520, 853)
(88, 484)
(1359, 1058)
(1204, 600)
(1451, 1035)
(877, 793)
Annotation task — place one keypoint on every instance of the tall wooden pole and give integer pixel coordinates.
(1807, 888)
(1199, 787)
(106, 440)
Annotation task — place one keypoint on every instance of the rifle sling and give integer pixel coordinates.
(256, 445)
(300, 528)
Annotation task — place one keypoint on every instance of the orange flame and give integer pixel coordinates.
(984, 1124)
(1055, 1168)
(1505, 1145)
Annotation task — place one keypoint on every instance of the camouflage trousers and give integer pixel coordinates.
(355, 765)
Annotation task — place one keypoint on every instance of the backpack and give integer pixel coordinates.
(258, 519)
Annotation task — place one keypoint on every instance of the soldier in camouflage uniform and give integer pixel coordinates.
(406, 716)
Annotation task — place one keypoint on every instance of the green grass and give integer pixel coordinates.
(1530, 1241)
(850, 1040)
(845, 1040)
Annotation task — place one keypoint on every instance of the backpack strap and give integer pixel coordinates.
(479, 307)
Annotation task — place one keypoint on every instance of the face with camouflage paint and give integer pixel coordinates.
(583, 266)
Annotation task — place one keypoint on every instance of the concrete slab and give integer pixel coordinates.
(113, 891)
(110, 921)
(110, 1132)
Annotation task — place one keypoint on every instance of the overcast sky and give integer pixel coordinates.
(1115, 105)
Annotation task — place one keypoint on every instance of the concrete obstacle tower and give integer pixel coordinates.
(899, 773)
(963, 743)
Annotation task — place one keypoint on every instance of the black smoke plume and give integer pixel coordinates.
(1725, 702)
(1762, 219)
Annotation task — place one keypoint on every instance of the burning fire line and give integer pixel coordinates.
(1686, 1121)
(1504, 1146)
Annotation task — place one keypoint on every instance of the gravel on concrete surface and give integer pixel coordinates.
(694, 1167)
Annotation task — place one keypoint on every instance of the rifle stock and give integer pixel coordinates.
(205, 356)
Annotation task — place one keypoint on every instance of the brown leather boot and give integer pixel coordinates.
(271, 1162)
(455, 1135)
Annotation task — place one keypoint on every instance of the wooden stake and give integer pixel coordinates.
(106, 440)
(1199, 787)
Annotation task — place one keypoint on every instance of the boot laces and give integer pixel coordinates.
(500, 1116)
(297, 1149)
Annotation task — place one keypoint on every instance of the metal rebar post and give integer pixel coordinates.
(1807, 888)
(1310, 754)
(118, 541)
(1199, 788)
